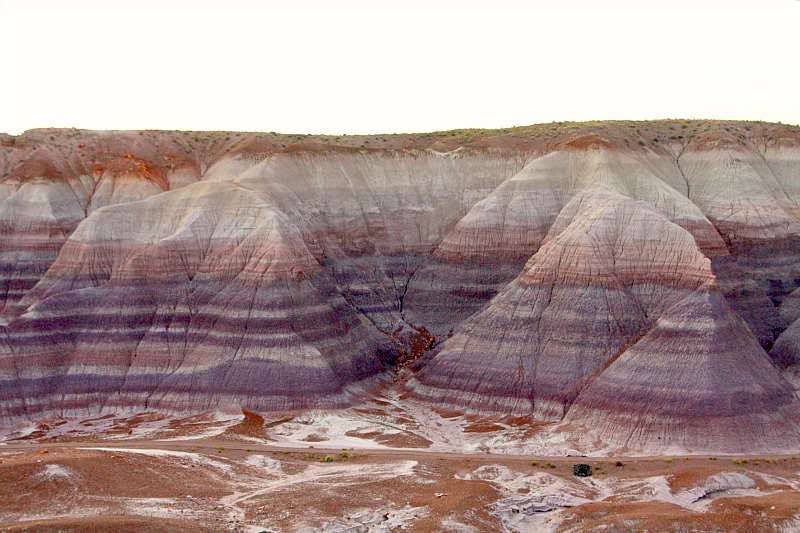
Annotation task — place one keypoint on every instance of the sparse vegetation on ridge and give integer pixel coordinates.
(534, 136)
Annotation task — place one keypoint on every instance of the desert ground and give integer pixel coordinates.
(385, 465)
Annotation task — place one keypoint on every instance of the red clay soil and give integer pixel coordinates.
(24, 488)
(107, 524)
(586, 142)
(251, 426)
(393, 440)
(745, 515)
(482, 427)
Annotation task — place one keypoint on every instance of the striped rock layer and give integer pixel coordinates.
(634, 282)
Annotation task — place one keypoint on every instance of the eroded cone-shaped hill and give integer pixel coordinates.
(696, 381)
(199, 298)
(610, 270)
(554, 265)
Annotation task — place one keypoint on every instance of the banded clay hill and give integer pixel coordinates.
(629, 286)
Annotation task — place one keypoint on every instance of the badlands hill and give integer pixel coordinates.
(634, 282)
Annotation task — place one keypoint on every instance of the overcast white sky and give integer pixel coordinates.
(401, 66)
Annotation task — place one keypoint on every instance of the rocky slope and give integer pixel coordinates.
(632, 280)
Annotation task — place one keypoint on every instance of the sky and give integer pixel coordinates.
(351, 66)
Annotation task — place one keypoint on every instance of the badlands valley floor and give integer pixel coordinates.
(385, 465)
(232, 331)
